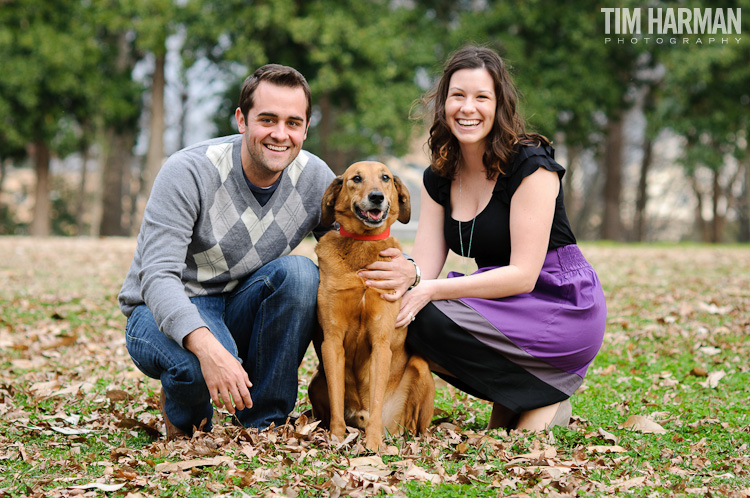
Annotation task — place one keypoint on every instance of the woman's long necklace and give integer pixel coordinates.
(460, 231)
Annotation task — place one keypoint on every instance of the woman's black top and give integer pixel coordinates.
(490, 242)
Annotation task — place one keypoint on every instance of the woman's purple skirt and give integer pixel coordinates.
(523, 351)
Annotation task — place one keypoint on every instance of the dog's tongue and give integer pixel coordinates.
(374, 214)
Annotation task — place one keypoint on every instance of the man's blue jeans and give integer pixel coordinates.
(267, 322)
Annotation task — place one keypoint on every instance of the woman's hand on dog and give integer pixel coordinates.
(413, 301)
(396, 275)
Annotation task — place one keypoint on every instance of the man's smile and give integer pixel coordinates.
(277, 148)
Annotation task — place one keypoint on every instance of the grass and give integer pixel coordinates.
(75, 412)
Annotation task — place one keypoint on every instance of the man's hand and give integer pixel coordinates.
(396, 275)
(225, 378)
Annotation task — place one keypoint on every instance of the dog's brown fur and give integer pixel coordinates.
(367, 379)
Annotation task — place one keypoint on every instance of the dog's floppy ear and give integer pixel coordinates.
(404, 201)
(327, 213)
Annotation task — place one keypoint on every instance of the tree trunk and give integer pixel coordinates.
(40, 225)
(2, 173)
(183, 118)
(700, 223)
(115, 169)
(155, 153)
(81, 201)
(134, 188)
(3, 169)
(743, 204)
(584, 224)
(572, 199)
(116, 161)
(612, 222)
(574, 155)
(642, 199)
(717, 223)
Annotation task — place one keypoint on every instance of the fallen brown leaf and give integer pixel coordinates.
(642, 424)
(712, 381)
(372, 461)
(98, 485)
(625, 484)
(699, 372)
(608, 436)
(117, 395)
(415, 472)
(606, 449)
(189, 464)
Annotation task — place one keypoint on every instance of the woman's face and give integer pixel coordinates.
(471, 105)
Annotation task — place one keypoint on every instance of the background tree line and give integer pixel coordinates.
(637, 124)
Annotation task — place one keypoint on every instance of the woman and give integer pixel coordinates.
(523, 329)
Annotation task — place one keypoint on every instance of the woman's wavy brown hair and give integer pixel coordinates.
(508, 130)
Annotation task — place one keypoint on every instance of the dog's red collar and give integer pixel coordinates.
(356, 236)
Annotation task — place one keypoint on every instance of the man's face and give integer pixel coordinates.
(273, 132)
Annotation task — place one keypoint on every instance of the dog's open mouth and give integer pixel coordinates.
(371, 217)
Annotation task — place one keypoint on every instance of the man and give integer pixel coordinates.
(216, 308)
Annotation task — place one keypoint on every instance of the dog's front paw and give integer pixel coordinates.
(338, 430)
(374, 442)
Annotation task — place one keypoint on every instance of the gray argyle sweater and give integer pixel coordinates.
(203, 230)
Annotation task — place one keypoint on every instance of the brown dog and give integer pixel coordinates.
(367, 379)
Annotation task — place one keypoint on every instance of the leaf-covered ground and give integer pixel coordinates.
(664, 410)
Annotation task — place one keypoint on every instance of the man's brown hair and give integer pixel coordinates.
(278, 75)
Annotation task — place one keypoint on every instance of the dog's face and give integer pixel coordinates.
(366, 197)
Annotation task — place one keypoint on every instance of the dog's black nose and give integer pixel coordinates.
(376, 197)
